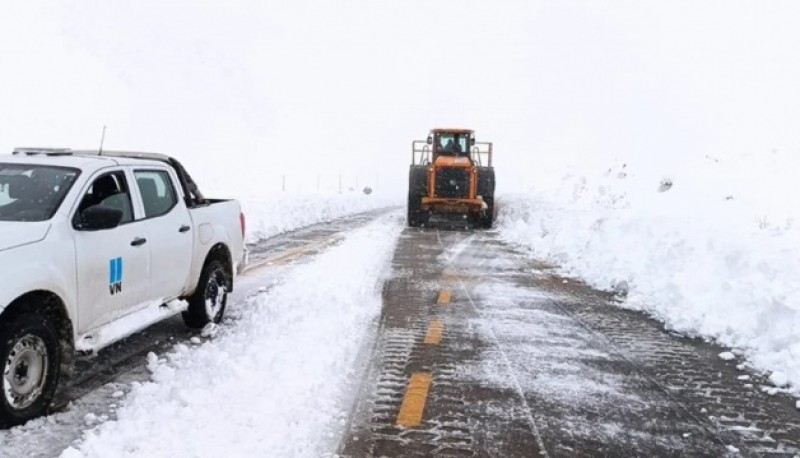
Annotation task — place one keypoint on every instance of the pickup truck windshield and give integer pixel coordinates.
(33, 192)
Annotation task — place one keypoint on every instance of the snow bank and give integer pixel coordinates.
(277, 213)
(712, 247)
(273, 383)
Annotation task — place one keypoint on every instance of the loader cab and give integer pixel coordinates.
(451, 143)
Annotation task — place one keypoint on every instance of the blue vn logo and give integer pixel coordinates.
(115, 276)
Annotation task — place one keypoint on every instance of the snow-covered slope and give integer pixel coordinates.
(711, 247)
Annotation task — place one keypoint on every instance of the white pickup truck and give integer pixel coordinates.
(95, 247)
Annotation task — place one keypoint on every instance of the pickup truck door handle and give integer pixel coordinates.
(185, 228)
(138, 241)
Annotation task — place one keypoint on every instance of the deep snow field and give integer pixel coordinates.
(711, 247)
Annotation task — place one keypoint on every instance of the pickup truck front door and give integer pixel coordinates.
(113, 265)
(171, 236)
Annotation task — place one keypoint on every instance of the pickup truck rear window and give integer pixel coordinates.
(33, 192)
(158, 195)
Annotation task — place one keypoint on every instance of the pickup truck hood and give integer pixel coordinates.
(13, 234)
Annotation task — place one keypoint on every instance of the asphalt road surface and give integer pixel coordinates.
(484, 352)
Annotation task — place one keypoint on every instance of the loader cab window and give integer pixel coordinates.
(453, 144)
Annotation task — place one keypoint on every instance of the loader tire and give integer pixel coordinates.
(486, 218)
(486, 184)
(417, 189)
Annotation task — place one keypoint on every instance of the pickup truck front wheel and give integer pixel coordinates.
(207, 304)
(30, 368)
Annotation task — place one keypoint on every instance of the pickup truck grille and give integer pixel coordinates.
(452, 182)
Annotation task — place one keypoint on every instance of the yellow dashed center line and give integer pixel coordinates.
(444, 296)
(434, 335)
(411, 410)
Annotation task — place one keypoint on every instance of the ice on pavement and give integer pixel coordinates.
(273, 383)
(715, 255)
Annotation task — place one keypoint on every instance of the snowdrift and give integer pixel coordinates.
(712, 248)
(277, 381)
(274, 214)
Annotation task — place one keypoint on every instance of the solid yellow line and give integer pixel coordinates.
(434, 335)
(444, 296)
(289, 255)
(410, 415)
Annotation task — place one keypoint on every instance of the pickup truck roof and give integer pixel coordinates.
(94, 159)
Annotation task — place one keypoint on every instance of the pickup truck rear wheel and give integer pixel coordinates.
(207, 304)
(30, 356)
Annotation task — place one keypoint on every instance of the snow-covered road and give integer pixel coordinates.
(105, 388)
(278, 382)
(339, 323)
(511, 359)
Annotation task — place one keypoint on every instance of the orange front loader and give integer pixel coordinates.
(451, 173)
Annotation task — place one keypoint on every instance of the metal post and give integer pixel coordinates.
(283, 188)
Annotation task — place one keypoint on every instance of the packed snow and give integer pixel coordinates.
(711, 246)
(275, 214)
(278, 381)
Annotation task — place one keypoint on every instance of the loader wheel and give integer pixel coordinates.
(31, 361)
(207, 304)
(416, 216)
(486, 218)
(417, 189)
(486, 182)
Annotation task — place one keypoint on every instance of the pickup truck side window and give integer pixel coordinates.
(158, 195)
(110, 191)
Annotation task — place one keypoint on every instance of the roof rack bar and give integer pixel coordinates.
(31, 151)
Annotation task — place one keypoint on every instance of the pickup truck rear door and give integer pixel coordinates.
(113, 265)
(170, 230)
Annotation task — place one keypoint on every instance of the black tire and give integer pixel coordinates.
(486, 218)
(207, 304)
(414, 211)
(31, 357)
(486, 182)
(417, 189)
(486, 185)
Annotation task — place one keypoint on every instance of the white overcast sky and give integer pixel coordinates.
(247, 91)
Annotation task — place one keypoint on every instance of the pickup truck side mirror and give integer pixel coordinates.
(96, 218)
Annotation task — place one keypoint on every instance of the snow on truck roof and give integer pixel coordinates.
(82, 158)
